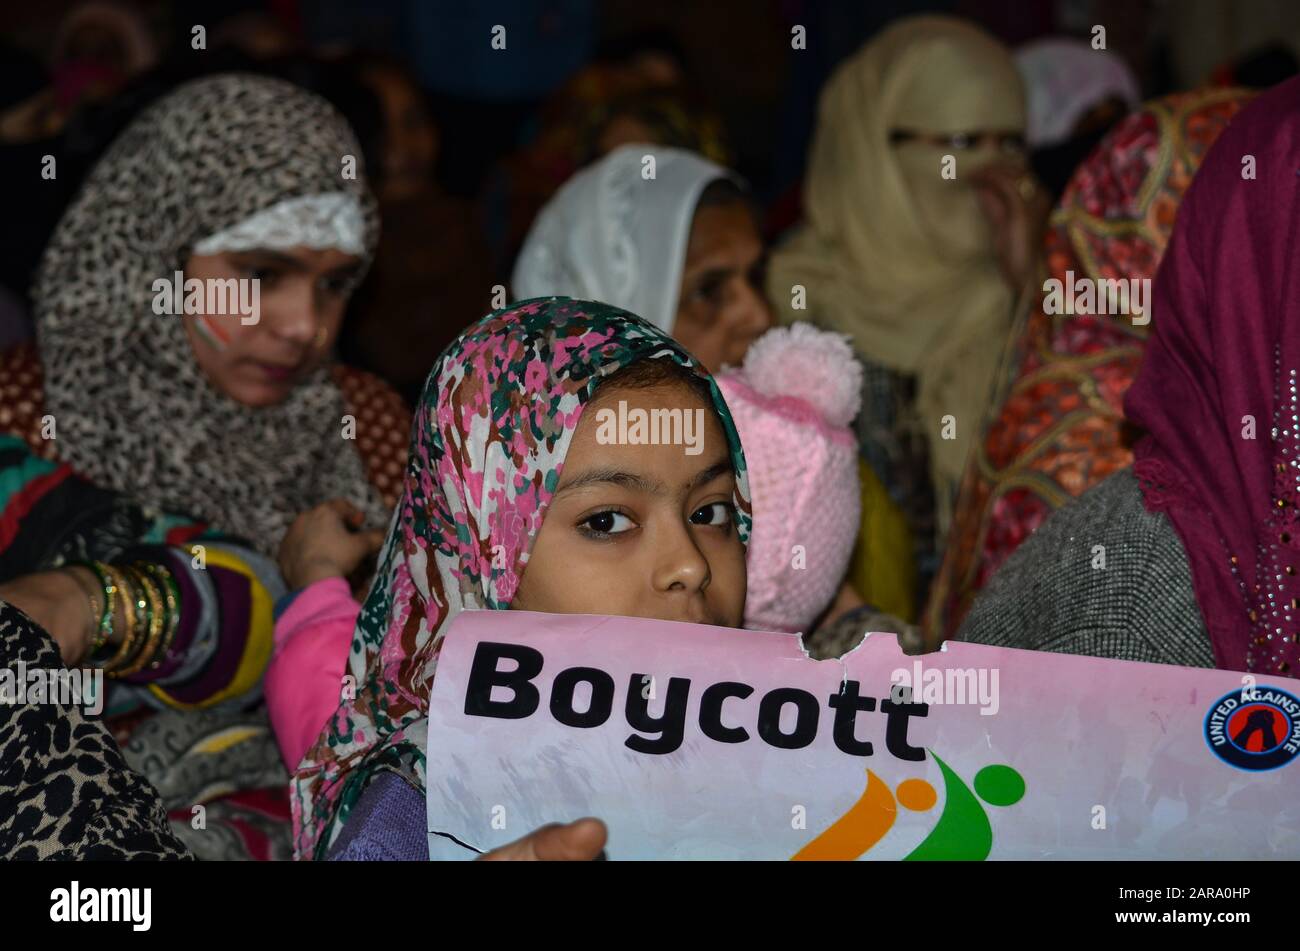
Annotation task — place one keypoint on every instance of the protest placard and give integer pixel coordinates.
(692, 741)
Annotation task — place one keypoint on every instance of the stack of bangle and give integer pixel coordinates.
(150, 603)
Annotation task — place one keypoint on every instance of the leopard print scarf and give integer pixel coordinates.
(65, 791)
(133, 411)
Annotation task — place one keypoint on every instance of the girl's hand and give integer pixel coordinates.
(326, 542)
(579, 841)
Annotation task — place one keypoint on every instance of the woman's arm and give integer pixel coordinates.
(1101, 576)
(184, 612)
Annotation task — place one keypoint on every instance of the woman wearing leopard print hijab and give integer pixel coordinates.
(236, 418)
(139, 428)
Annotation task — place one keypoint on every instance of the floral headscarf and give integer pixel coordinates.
(493, 426)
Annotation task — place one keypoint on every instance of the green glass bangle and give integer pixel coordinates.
(171, 595)
(105, 629)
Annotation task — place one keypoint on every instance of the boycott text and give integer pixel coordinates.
(667, 730)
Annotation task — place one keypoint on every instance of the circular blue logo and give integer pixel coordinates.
(1255, 728)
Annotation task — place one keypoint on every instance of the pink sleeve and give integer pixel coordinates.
(304, 680)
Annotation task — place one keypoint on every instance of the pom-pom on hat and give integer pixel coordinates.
(792, 401)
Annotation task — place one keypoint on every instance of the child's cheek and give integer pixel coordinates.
(727, 592)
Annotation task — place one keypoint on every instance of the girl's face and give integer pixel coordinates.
(302, 294)
(641, 530)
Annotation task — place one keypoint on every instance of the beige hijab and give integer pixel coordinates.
(891, 252)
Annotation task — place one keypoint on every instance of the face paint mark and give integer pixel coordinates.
(212, 332)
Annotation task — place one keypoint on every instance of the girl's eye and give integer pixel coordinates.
(607, 523)
(715, 513)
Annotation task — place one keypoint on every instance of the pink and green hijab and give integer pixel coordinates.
(494, 424)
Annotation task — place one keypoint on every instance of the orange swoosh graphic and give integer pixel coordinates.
(865, 824)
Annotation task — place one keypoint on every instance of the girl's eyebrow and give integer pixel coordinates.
(705, 476)
(714, 274)
(640, 483)
(627, 480)
(345, 270)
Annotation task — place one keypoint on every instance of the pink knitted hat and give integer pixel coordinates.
(793, 401)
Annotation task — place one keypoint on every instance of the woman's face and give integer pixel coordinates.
(641, 530)
(301, 296)
(721, 309)
(949, 208)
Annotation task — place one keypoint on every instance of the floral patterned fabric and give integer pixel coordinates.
(494, 424)
(1057, 429)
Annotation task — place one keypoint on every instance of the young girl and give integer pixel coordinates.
(510, 500)
(793, 400)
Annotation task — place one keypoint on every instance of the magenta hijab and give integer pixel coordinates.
(1217, 390)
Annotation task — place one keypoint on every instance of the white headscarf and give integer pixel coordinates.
(1064, 78)
(616, 234)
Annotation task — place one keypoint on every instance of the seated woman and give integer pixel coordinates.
(1191, 556)
(611, 234)
(509, 498)
(919, 218)
(236, 196)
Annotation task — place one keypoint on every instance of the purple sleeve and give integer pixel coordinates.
(386, 825)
